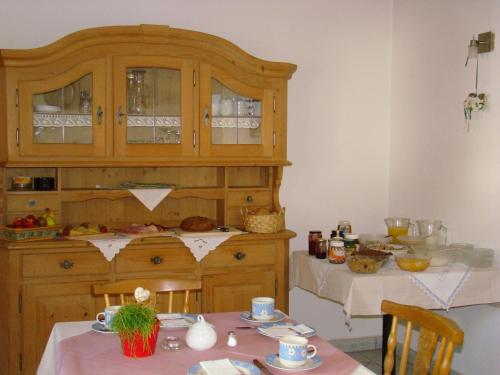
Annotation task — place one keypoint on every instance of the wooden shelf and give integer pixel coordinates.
(79, 195)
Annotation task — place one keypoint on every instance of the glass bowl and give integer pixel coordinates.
(413, 262)
(364, 263)
(412, 241)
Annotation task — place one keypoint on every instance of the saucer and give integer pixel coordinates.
(278, 317)
(245, 367)
(280, 329)
(172, 321)
(98, 327)
(311, 363)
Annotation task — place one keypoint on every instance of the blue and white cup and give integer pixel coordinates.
(293, 351)
(263, 308)
(105, 317)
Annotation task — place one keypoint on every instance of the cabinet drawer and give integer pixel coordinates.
(241, 256)
(64, 264)
(32, 202)
(249, 198)
(145, 260)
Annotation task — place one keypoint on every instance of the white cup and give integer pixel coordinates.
(293, 351)
(263, 308)
(105, 317)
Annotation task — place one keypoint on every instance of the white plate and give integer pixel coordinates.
(245, 367)
(100, 328)
(278, 317)
(282, 329)
(173, 321)
(312, 363)
(47, 108)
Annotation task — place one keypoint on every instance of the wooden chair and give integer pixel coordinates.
(432, 326)
(124, 287)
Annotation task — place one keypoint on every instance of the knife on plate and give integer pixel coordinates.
(261, 367)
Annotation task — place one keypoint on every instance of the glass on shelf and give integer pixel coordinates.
(64, 115)
(236, 119)
(153, 105)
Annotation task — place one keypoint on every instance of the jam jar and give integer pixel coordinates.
(314, 236)
(350, 243)
(322, 249)
(336, 252)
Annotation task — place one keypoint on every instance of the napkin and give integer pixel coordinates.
(219, 367)
(442, 284)
(201, 244)
(150, 197)
(110, 246)
(172, 321)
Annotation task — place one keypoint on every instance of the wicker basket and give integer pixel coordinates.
(271, 223)
(29, 234)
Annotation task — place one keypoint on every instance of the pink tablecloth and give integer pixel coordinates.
(95, 353)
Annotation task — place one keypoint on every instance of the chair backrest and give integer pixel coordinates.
(432, 326)
(153, 285)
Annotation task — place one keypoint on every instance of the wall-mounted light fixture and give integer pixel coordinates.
(474, 102)
(485, 42)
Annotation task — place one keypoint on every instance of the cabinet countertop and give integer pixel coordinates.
(56, 244)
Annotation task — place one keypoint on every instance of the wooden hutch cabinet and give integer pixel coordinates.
(147, 103)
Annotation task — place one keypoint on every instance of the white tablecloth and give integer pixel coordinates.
(362, 294)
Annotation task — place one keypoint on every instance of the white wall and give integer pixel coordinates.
(437, 169)
(338, 117)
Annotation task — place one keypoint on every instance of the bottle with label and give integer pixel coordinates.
(336, 252)
(351, 241)
(322, 249)
(314, 236)
(344, 227)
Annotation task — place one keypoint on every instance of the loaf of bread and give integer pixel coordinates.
(197, 224)
(260, 211)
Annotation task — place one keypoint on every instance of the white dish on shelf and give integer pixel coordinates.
(47, 108)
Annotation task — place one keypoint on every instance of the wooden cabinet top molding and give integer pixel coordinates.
(112, 39)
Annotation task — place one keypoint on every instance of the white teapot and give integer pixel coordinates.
(201, 335)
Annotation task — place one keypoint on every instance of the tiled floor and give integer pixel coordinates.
(371, 359)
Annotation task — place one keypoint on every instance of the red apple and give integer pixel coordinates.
(18, 222)
(29, 221)
(103, 229)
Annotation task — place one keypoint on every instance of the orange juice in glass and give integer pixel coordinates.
(397, 226)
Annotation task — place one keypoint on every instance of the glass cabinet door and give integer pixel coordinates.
(236, 118)
(64, 115)
(154, 106)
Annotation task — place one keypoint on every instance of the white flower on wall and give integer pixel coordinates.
(473, 103)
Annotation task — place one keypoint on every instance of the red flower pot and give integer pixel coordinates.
(137, 347)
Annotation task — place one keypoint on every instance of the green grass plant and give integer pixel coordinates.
(135, 319)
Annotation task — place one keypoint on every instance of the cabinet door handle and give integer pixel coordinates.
(206, 116)
(249, 199)
(100, 114)
(156, 260)
(120, 115)
(66, 264)
(239, 255)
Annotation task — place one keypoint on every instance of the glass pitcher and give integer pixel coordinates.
(399, 226)
(434, 231)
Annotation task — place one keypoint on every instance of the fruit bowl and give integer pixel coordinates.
(413, 262)
(29, 234)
